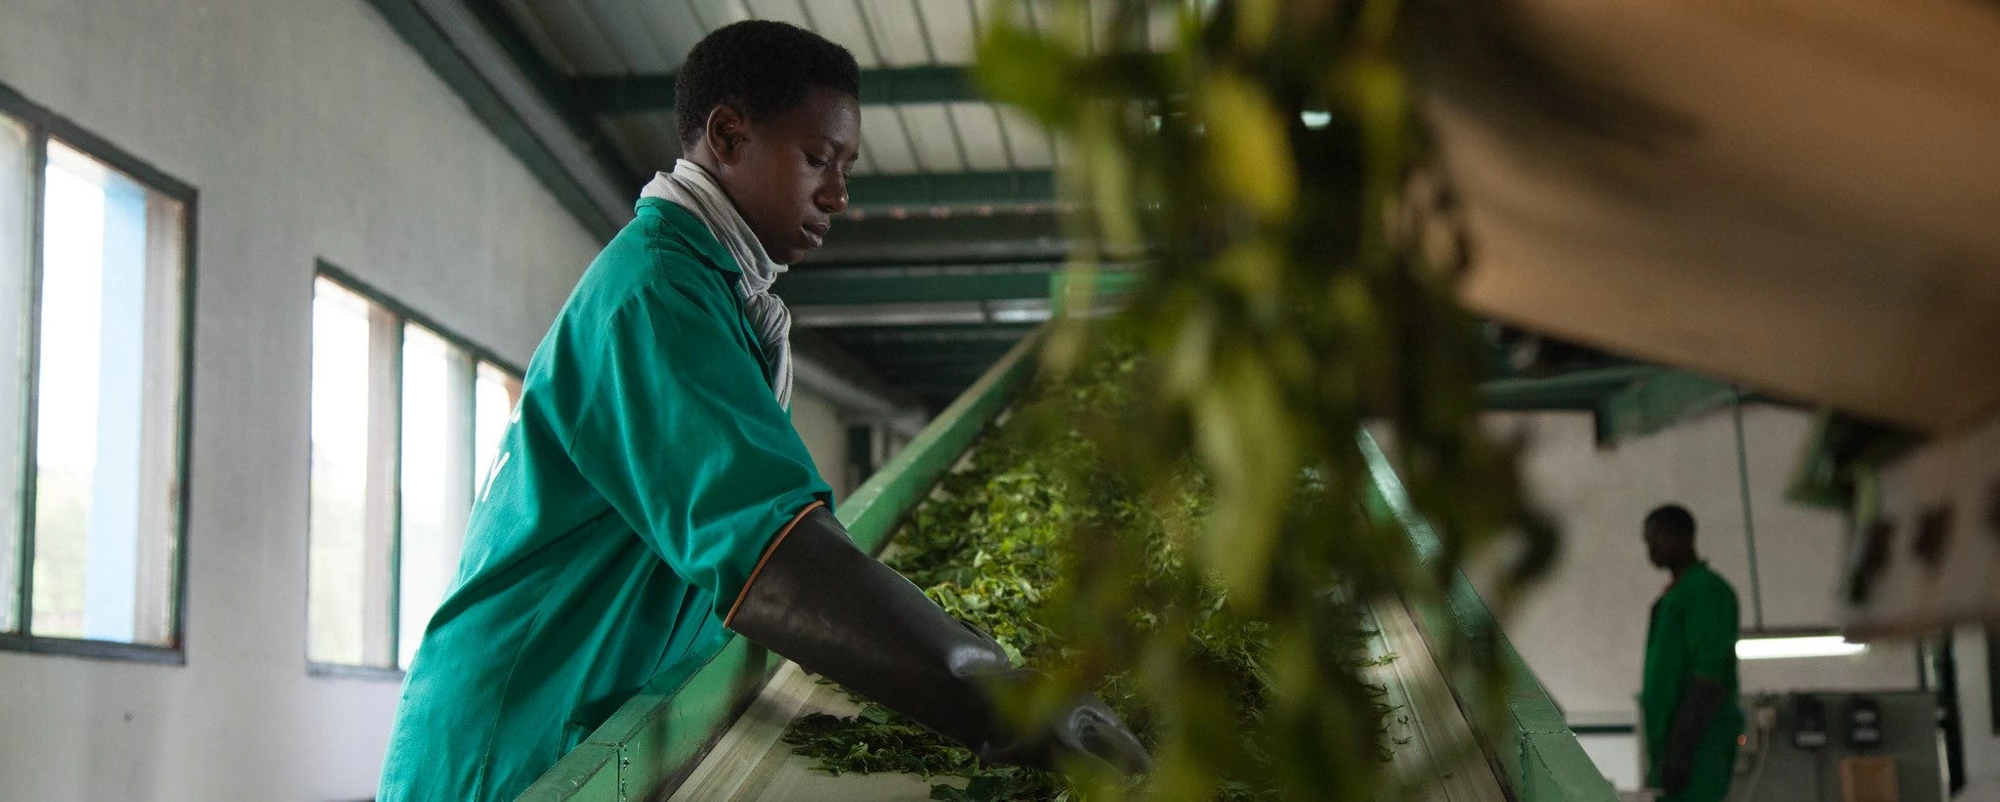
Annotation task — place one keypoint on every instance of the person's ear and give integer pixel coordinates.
(725, 133)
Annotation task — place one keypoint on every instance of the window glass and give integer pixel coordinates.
(497, 392)
(17, 187)
(347, 591)
(107, 424)
(403, 417)
(437, 476)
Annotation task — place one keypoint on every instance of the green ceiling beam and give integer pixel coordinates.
(629, 94)
(964, 237)
(1007, 281)
(1579, 390)
(1625, 402)
(807, 286)
(1657, 402)
(862, 340)
(919, 190)
(892, 358)
(944, 363)
(1110, 283)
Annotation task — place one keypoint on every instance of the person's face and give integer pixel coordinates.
(1665, 549)
(788, 174)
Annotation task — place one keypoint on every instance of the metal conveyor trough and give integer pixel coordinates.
(716, 737)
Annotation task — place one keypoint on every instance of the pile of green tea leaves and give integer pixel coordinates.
(993, 544)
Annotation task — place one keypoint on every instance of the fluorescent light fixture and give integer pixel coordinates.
(1768, 648)
(1316, 119)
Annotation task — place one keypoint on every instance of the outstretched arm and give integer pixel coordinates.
(838, 612)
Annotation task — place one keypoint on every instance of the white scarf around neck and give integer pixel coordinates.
(692, 188)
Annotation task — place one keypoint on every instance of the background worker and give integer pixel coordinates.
(651, 493)
(1688, 693)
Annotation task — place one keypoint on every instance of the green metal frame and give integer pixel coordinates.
(807, 286)
(1537, 755)
(1579, 390)
(928, 336)
(1627, 401)
(658, 736)
(1657, 402)
(1107, 283)
(627, 94)
(810, 286)
(953, 189)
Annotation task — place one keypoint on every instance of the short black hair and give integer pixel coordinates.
(1673, 518)
(761, 68)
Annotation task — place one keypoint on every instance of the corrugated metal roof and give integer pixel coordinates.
(601, 38)
(944, 162)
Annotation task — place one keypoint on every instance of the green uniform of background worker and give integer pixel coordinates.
(651, 494)
(1689, 691)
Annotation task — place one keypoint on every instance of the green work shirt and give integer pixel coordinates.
(1693, 633)
(645, 470)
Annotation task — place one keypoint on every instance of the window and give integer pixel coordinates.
(402, 412)
(93, 328)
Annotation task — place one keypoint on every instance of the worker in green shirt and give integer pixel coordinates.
(1688, 695)
(651, 497)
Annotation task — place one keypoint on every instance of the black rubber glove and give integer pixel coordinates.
(844, 615)
(1699, 703)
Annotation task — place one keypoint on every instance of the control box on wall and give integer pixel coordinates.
(1840, 747)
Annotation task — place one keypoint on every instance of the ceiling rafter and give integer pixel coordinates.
(654, 93)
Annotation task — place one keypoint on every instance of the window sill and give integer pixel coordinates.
(338, 671)
(94, 649)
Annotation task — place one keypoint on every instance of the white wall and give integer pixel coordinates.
(310, 130)
(1583, 631)
(1982, 746)
(818, 422)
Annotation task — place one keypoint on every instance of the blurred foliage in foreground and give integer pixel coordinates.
(1256, 155)
(994, 546)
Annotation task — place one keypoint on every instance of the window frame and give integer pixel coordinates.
(477, 354)
(43, 124)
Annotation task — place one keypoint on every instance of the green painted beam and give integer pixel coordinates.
(1106, 283)
(1536, 754)
(862, 339)
(807, 286)
(875, 239)
(955, 376)
(952, 189)
(932, 385)
(957, 368)
(1627, 401)
(657, 736)
(937, 389)
(894, 353)
(1583, 389)
(1656, 402)
(628, 94)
